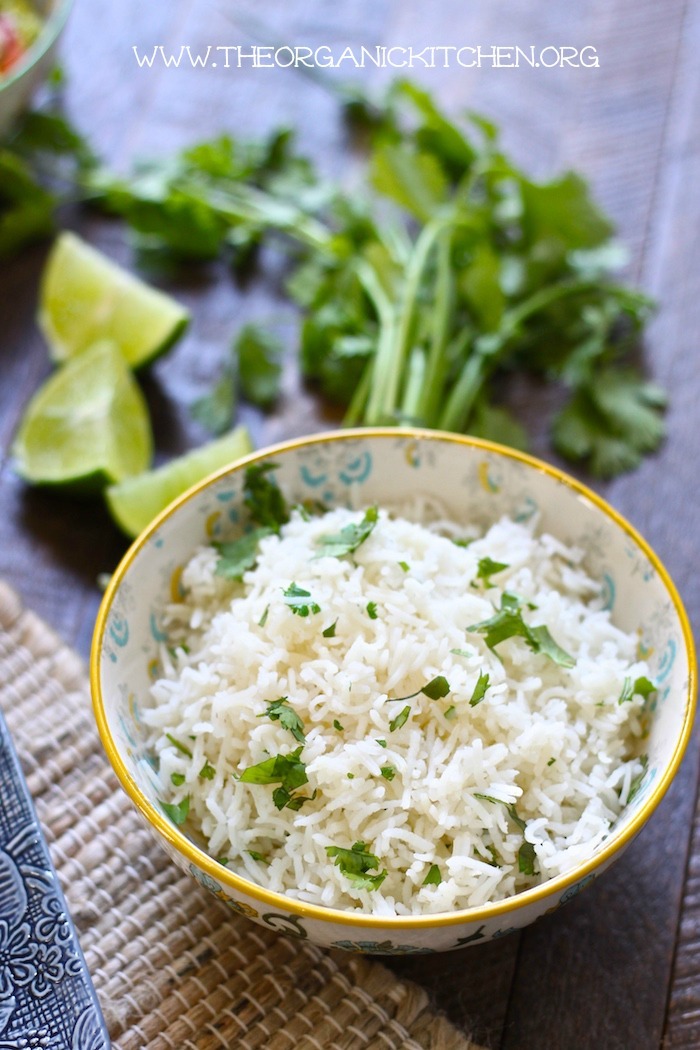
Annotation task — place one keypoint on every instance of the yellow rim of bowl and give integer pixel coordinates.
(483, 913)
(50, 31)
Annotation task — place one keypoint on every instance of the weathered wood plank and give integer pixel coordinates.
(618, 943)
(672, 273)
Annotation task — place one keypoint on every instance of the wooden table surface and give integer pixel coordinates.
(619, 967)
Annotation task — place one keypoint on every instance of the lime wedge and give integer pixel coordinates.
(87, 426)
(135, 502)
(86, 297)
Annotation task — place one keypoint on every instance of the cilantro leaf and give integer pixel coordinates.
(258, 355)
(641, 686)
(177, 779)
(508, 622)
(365, 882)
(435, 689)
(207, 772)
(215, 410)
(355, 863)
(283, 798)
(388, 772)
(400, 719)
(287, 770)
(527, 858)
(636, 784)
(480, 688)
(335, 545)
(541, 641)
(296, 598)
(280, 711)
(611, 421)
(178, 745)
(264, 498)
(433, 878)
(357, 859)
(372, 610)
(488, 568)
(257, 856)
(26, 208)
(177, 811)
(237, 556)
(329, 631)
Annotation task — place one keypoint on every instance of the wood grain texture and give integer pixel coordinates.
(600, 973)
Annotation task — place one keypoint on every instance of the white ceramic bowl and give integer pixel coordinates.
(477, 481)
(17, 88)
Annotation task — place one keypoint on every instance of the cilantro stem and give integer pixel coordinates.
(256, 206)
(394, 349)
(460, 403)
(435, 366)
(415, 384)
(478, 365)
(353, 416)
(539, 300)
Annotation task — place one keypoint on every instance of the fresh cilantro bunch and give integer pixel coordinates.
(447, 269)
(476, 272)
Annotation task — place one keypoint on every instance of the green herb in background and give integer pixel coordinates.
(254, 372)
(417, 296)
(42, 164)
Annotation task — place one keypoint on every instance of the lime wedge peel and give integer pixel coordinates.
(87, 426)
(135, 502)
(86, 297)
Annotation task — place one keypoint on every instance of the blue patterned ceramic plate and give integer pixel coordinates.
(47, 1001)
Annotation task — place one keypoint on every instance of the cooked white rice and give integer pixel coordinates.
(554, 741)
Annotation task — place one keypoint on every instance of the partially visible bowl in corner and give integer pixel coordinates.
(28, 72)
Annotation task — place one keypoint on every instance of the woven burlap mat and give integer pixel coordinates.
(173, 969)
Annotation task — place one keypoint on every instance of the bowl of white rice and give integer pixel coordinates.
(393, 690)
